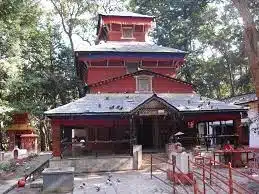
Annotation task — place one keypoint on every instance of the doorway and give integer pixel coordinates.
(145, 132)
(18, 141)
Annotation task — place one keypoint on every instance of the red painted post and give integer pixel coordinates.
(210, 172)
(203, 176)
(230, 179)
(174, 183)
(195, 189)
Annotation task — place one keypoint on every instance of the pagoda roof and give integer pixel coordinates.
(126, 14)
(118, 46)
(117, 103)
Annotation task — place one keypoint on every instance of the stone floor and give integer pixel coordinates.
(8, 180)
(126, 182)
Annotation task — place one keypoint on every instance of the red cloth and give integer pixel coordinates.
(228, 147)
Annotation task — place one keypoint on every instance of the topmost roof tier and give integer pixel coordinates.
(126, 14)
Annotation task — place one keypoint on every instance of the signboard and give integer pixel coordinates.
(150, 112)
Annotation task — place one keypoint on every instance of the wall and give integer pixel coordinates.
(252, 112)
(93, 164)
(128, 84)
(163, 85)
(117, 36)
(96, 74)
(169, 71)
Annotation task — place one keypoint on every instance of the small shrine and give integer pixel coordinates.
(21, 134)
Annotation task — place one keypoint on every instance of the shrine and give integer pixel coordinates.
(21, 134)
(132, 97)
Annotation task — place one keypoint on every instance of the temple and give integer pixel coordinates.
(21, 135)
(132, 97)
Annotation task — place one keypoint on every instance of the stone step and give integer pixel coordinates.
(38, 183)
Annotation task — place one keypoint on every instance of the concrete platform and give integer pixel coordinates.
(95, 164)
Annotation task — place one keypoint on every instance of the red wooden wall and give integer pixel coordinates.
(96, 74)
(128, 84)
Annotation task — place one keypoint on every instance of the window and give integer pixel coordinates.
(127, 32)
(144, 84)
(132, 66)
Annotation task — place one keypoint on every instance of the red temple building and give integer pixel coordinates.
(21, 134)
(133, 97)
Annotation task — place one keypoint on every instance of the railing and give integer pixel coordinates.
(37, 171)
(66, 146)
(176, 183)
(215, 181)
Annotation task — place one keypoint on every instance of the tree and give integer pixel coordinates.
(251, 36)
(210, 32)
(47, 79)
(78, 18)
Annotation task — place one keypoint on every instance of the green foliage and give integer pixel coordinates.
(212, 34)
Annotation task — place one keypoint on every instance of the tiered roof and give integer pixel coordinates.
(111, 103)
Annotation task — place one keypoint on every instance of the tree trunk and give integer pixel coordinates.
(231, 81)
(251, 38)
(42, 137)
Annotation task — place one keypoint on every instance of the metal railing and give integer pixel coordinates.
(176, 183)
(207, 177)
(213, 179)
(31, 176)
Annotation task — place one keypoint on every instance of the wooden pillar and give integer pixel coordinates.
(238, 128)
(56, 139)
(155, 132)
(130, 134)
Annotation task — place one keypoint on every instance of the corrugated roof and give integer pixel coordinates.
(125, 103)
(241, 99)
(116, 46)
(127, 14)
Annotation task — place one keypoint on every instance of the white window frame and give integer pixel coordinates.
(149, 78)
(122, 34)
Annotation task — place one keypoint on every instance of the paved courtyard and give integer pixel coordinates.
(130, 182)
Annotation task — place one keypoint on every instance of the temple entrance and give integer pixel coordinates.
(145, 132)
(155, 121)
(18, 140)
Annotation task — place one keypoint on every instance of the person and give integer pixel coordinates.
(228, 147)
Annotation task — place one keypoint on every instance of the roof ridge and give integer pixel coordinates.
(239, 95)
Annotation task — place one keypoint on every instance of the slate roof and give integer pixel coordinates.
(112, 103)
(126, 14)
(241, 99)
(116, 46)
